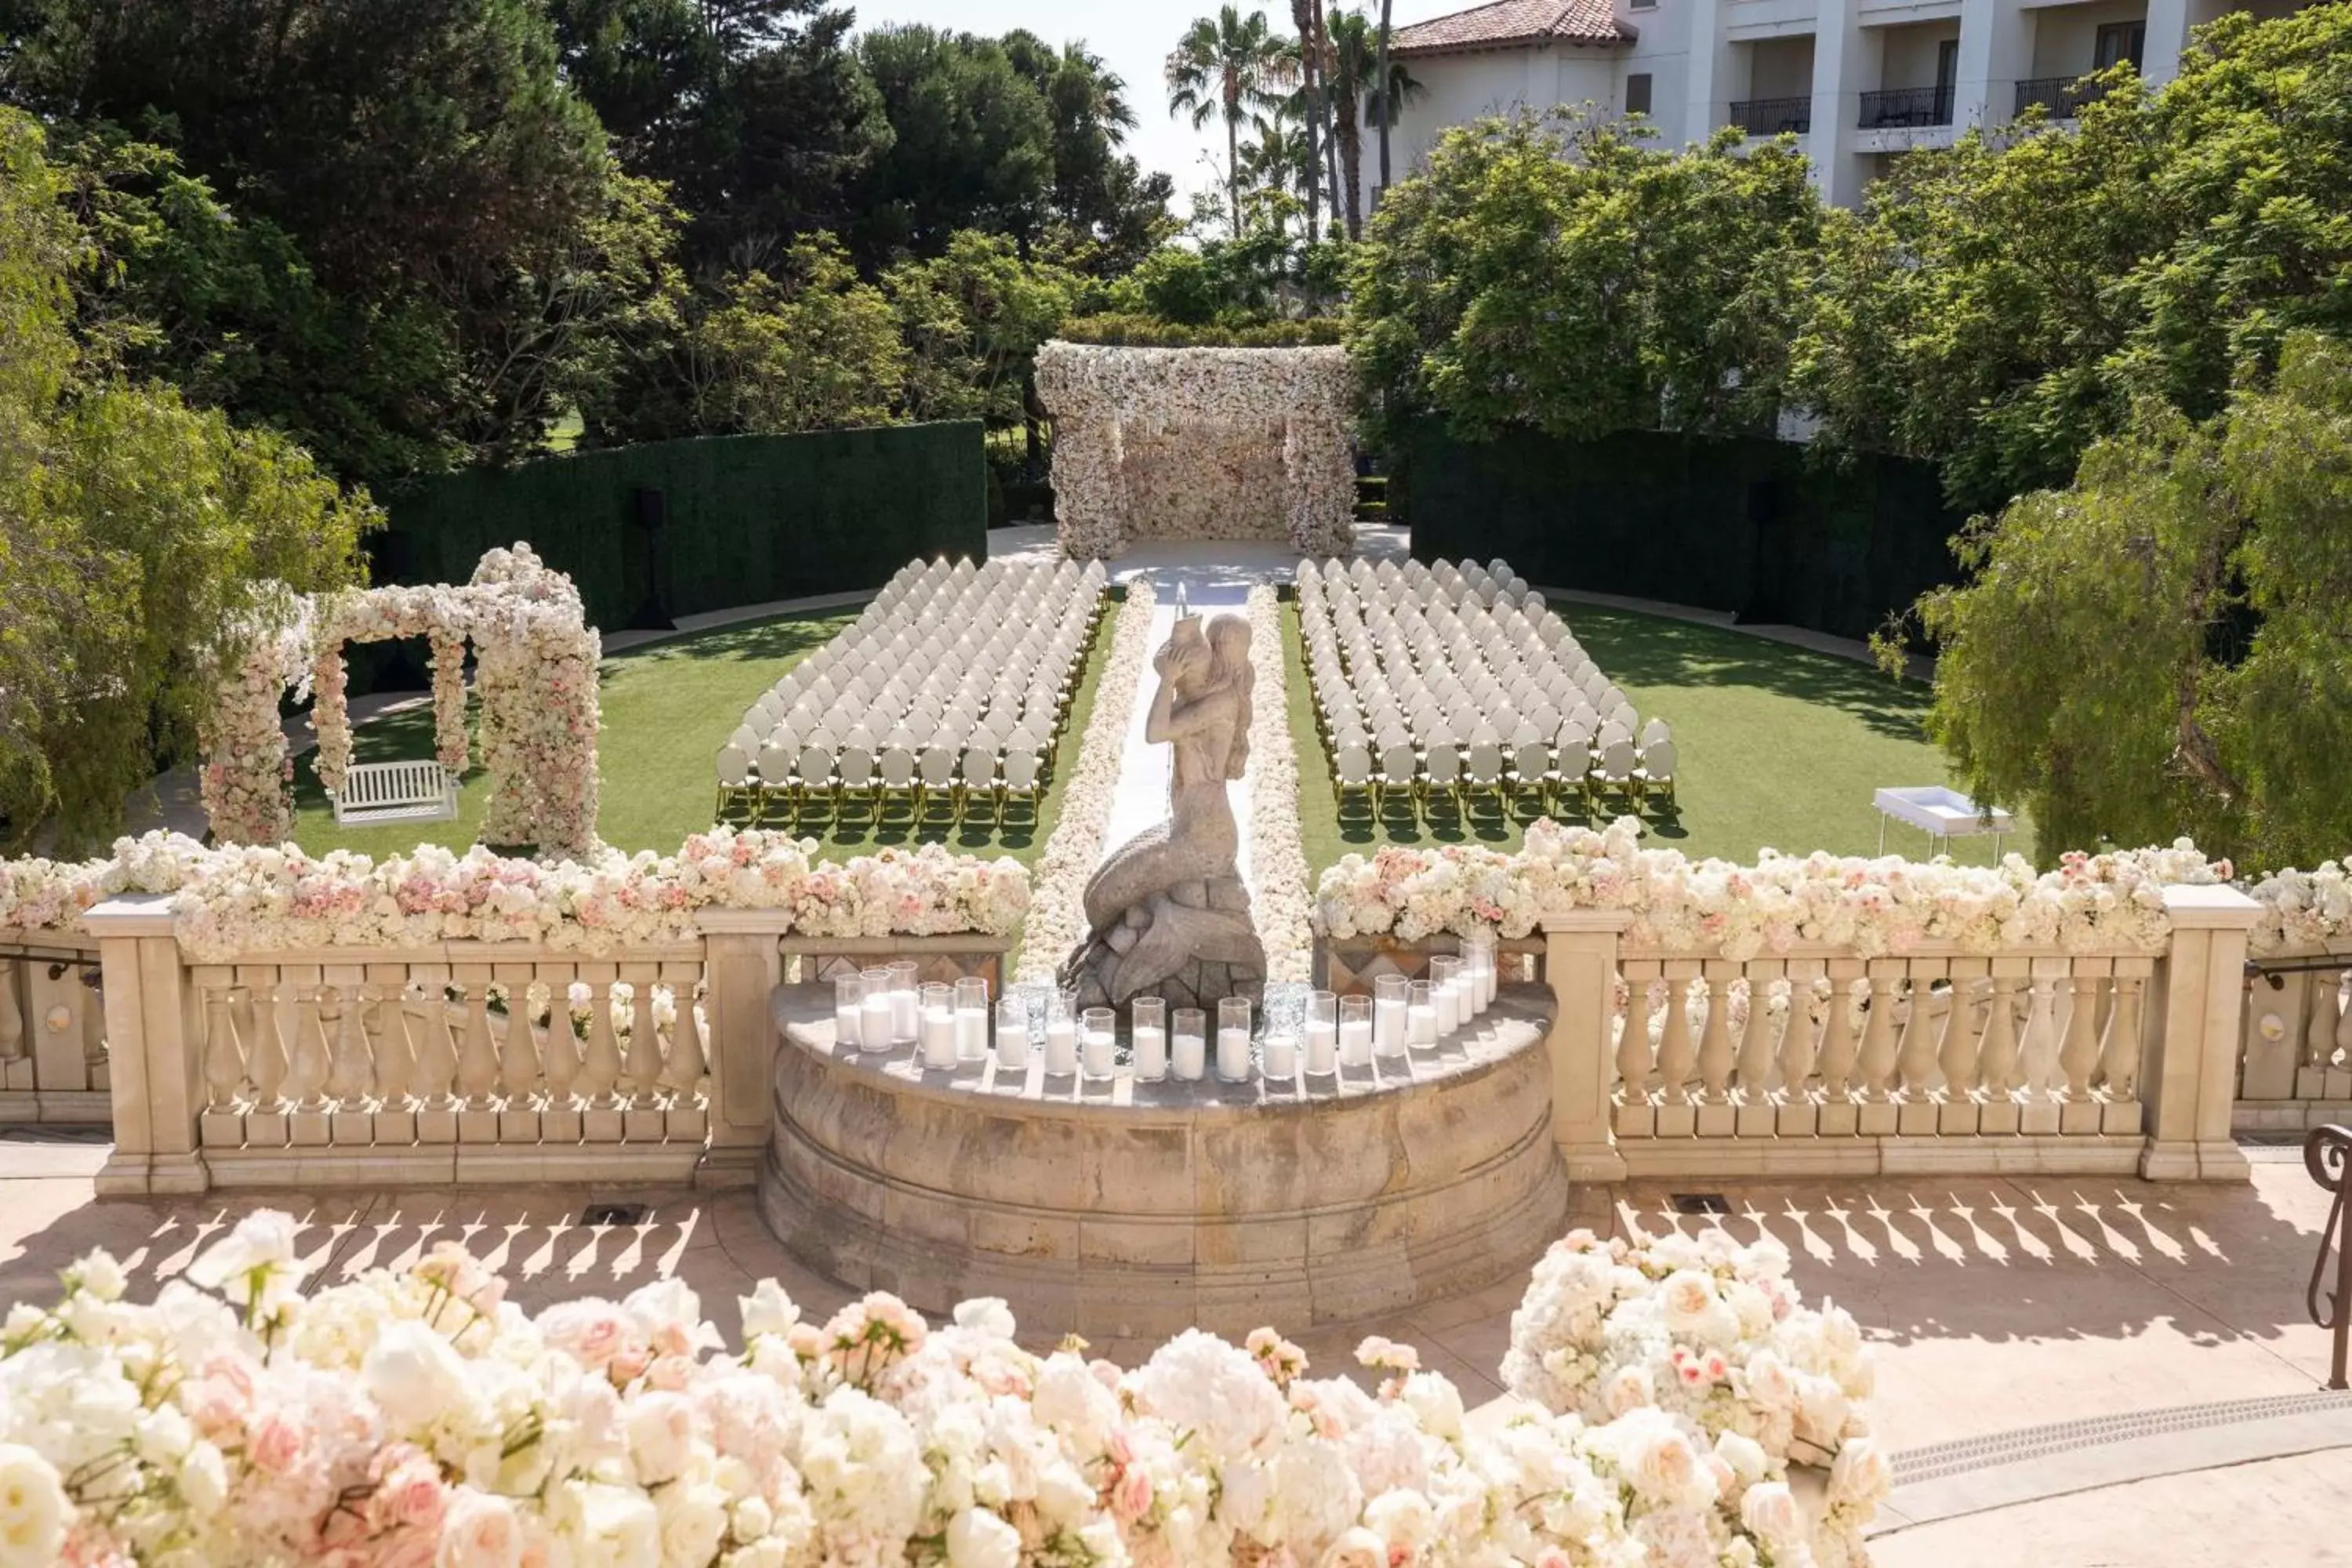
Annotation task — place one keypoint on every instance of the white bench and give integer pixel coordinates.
(396, 792)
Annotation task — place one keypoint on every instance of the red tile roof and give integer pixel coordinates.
(1504, 24)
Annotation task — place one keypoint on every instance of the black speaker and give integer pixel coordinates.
(650, 510)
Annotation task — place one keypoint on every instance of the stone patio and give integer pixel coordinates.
(1994, 1306)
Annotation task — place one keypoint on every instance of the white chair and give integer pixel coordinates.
(1482, 769)
(935, 772)
(1616, 768)
(1020, 782)
(1655, 730)
(1657, 772)
(734, 778)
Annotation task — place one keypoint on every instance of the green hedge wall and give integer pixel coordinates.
(1754, 527)
(747, 518)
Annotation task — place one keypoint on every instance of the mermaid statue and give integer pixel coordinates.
(1168, 913)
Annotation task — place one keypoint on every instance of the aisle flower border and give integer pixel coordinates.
(1057, 915)
(1280, 901)
(415, 1417)
(536, 675)
(257, 899)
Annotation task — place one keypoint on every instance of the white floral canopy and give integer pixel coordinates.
(1200, 444)
(535, 671)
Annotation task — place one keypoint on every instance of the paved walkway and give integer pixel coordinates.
(1995, 1309)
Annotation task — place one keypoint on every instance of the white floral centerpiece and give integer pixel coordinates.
(415, 1418)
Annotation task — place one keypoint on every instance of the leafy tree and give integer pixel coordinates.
(972, 148)
(1619, 287)
(1999, 306)
(133, 530)
(411, 159)
(1355, 73)
(2162, 647)
(1110, 214)
(973, 321)
(1229, 68)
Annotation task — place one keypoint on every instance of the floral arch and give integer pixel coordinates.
(1200, 444)
(535, 671)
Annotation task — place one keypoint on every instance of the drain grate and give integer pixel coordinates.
(614, 1214)
(1700, 1203)
(88, 1134)
(1941, 1459)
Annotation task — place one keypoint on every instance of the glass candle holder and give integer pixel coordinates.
(1445, 993)
(1281, 1055)
(1234, 1039)
(1098, 1042)
(1355, 1031)
(904, 1002)
(1391, 994)
(936, 1025)
(1062, 1034)
(1480, 954)
(848, 1005)
(1013, 1034)
(873, 1028)
(1149, 1023)
(1421, 1014)
(1190, 1029)
(971, 1018)
(1322, 1032)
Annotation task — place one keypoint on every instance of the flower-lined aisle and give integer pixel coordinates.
(415, 1418)
(245, 899)
(1057, 914)
(1874, 906)
(1278, 846)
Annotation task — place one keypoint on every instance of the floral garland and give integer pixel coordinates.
(2303, 908)
(253, 899)
(330, 716)
(414, 1415)
(450, 740)
(246, 779)
(1198, 443)
(1057, 915)
(1277, 845)
(1872, 906)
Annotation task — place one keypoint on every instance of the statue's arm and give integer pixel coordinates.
(1168, 722)
(1159, 726)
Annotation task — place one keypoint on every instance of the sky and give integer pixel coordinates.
(1134, 36)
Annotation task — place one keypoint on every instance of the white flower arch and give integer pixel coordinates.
(535, 671)
(1200, 444)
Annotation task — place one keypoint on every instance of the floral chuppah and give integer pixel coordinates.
(536, 659)
(1200, 444)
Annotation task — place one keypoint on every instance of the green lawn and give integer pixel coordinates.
(668, 709)
(1778, 748)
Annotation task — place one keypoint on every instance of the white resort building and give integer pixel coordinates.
(1855, 80)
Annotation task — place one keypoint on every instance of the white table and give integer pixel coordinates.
(1943, 815)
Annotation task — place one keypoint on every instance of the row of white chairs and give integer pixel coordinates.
(953, 685)
(1454, 678)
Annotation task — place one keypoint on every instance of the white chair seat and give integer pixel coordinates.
(396, 792)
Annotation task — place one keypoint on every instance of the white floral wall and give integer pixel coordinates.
(1200, 444)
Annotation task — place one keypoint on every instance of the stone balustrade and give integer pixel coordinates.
(2296, 1053)
(52, 1064)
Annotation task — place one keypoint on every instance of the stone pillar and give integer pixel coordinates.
(2188, 1071)
(1845, 66)
(2168, 21)
(1581, 964)
(153, 1040)
(742, 966)
(1996, 54)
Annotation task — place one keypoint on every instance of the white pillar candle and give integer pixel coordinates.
(1321, 1037)
(1101, 1055)
(939, 1032)
(1151, 1052)
(1061, 1045)
(1232, 1054)
(1191, 1056)
(1013, 1046)
(902, 1013)
(1281, 1057)
(1485, 978)
(1355, 1042)
(845, 1024)
(1387, 1027)
(874, 1029)
(1446, 1001)
(1421, 1024)
(972, 1033)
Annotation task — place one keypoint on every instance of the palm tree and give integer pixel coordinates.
(1307, 15)
(1276, 158)
(1225, 66)
(1353, 80)
(1381, 74)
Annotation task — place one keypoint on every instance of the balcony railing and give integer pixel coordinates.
(1772, 116)
(2061, 97)
(1905, 106)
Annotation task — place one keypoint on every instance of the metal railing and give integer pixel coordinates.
(1773, 116)
(1906, 106)
(2061, 97)
(2327, 1155)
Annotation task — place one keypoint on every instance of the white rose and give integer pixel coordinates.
(415, 1377)
(1436, 1402)
(33, 1509)
(1402, 1519)
(101, 1276)
(1861, 1476)
(1628, 1389)
(693, 1520)
(753, 1518)
(264, 1240)
(1063, 1496)
(481, 1532)
(204, 1480)
(987, 1314)
(661, 1435)
(1821, 1410)
(164, 1435)
(1687, 1302)
(1769, 1510)
(767, 1310)
(1358, 1548)
(979, 1539)
(1769, 1382)
(1744, 1455)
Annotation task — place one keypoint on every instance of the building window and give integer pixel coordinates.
(2120, 43)
(1637, 93)
(1641, 4)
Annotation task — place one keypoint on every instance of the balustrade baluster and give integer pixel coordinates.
(389, 1044)
(2343, 1041)
(2078, 1053)
(2038, 1051)
(1878, 1054)
(2319, 1030)
(643, 1066)
(1914, 1054)
(223, 1053)
(1997, 1056)
(1956, 1053)
(477, 1057)
(560, 1048)
(600, 1067)
(436, 1056)
(2119, 1051)
(1676, 1054)
(93, 1030)
(12, 1013)
(1715, 1049)
(1758, 1046)
(306, 1076)
(518, 1069)
(266, 1060)
(1635, 1059)
(688, 1060)
(348, 1071)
